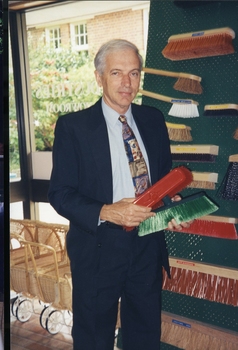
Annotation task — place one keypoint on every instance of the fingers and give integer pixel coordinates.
(125, 213)
(173, 225)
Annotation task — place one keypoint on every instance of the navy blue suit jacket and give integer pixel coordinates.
(81, 180)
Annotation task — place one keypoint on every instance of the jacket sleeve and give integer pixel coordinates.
(65, 191)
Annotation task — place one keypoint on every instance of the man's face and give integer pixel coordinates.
(120, 80)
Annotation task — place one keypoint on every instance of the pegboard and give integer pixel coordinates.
(220, 85)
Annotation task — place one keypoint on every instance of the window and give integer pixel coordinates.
(79, 36)
(53, 36)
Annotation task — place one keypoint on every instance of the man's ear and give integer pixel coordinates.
(98, 78)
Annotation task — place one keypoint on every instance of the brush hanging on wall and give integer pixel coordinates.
(221, 110)
(229, 187)
(186, 82)
(183, 108)
(179, 132)
(205, 43)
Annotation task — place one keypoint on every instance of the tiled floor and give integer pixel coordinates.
(30, 335)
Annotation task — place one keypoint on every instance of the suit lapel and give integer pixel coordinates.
(98, 139)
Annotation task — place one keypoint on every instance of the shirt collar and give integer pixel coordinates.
(111, 116)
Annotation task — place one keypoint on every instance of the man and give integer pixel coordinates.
(91, 185)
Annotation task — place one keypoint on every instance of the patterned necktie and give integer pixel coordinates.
(138, 168)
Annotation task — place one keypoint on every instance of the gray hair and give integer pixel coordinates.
(112, 46)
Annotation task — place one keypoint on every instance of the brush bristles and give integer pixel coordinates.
(221, 112)
(188, 85)
(194, 157)
(201, 285)
(181, 212)
(196, 47)
(183, 135)
(202, 184)
(229, 186)
(184, 110)
(235, 134)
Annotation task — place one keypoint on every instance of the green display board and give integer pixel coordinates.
(220, 86)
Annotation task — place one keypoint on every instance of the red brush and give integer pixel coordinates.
(214, 226)
(175, 181)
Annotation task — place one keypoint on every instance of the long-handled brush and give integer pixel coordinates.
(199, 280)
(213, 226)
(229, 186)
(179, 132)
(172, 183)
(221, 110)
(186, 82)
(205, 43)
(185, 333)
(194, 153)
(187, 209)
(204, 180)
(183, 108)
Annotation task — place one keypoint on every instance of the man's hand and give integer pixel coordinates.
(125, 213)
(172, 225)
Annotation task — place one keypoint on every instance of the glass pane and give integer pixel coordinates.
(63, 81)
(16, 210)
(48, 214)
(14, 157)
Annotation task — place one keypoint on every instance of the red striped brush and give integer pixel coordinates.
(203, 281)
(213, 42)
(213, 226)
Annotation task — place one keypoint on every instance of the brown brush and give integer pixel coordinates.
(186, 82)
(179, 132)
(213, 42)
(213, 226)
(194, 153)
(210, 282)
(185, 333)
(235, 134)
(204, 180)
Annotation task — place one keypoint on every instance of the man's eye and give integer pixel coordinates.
(135, 74)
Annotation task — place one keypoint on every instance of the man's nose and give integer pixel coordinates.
(126, 80)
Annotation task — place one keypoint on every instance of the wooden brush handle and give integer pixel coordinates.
(177, 126)
(171, 74)
(214, 218)
(202, 33)
(166, 98)
(204, 268)
(233, 158)
(220, 106)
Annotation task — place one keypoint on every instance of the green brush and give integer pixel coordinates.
(189, 208)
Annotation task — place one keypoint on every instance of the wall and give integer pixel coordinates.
(219, 80)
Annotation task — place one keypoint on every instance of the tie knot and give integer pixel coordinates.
(122, 119)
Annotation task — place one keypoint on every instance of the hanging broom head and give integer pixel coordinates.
(194, 153)
(221, 110)
(184, 108)
(189, 85)
(189, 208)
(213, 42)
(179, 132)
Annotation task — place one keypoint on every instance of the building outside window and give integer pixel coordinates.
(61, 69)
(79, 36)
(53, 36)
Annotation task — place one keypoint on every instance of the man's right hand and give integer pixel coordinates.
(125, 213)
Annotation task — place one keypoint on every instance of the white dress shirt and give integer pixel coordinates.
(121, 175)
